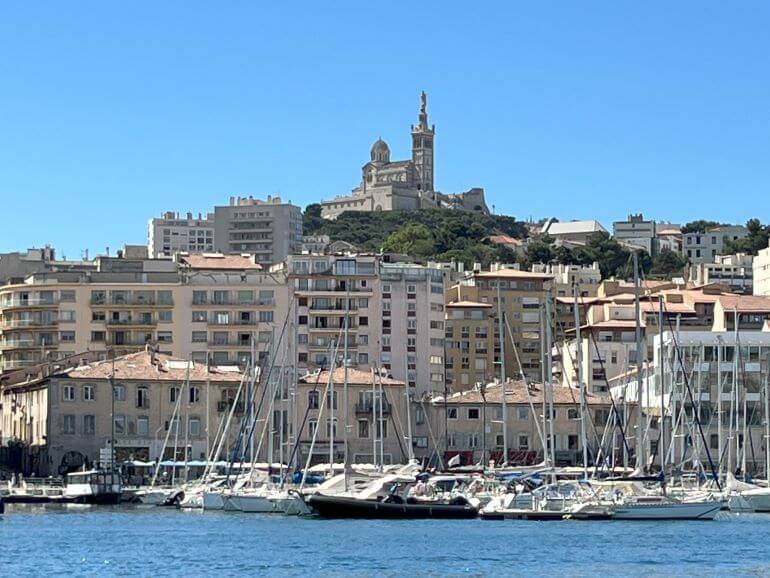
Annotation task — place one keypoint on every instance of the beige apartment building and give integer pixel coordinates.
(522, 295)
(395, 314)
(68, 418)
(474, 428)
(221, 308)
(376, 423)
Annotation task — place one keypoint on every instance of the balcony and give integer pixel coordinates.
(14, 344)
(98, 301)
(224, 406)
(11, 364)
(131, 322)
(367, 407)
(232, 322)
(6, 325)
(29, 303)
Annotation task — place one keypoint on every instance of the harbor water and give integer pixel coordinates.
(141, 541)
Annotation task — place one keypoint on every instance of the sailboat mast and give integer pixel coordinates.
(410, 448)
(661, 380)
(640, 426)
(548, 385)
(346, 464)
(503, 376)
(580, 382)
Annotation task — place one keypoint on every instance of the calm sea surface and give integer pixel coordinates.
(141, 541)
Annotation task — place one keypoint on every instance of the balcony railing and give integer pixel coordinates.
(233, 301)
(224, 406)
(22, 323)
(33, 302)
(27, 344)
(130, 301)
(241, 322)
(130, 322)
(368, 406)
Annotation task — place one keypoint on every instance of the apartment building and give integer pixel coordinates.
(522, 297)
(269, 229)
(376, 416)
(395, 315)
(761, 273)
(66, 419)
(733, 271)
(474, 426)
(636, 232)
(565, 277)
(704, 247)
(571, 233)
(171, 233)
(701, 372)
(215, 307)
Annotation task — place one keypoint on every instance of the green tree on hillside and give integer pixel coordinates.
(413, 239)
(755, 241)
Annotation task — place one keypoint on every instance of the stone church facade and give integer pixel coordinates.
(403, 185)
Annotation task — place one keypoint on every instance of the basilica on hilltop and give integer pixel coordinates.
(403, 185)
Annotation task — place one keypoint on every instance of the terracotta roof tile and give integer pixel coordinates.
(355, 377)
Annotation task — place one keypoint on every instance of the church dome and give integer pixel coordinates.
(380, 151)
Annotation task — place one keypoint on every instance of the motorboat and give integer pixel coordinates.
(92, 487)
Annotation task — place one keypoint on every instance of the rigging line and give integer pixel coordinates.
(754, 408)
(573, 360)
(301, 428)
(394, 416)
(504, 389)
(604, 373)
(678, 355)
(433, 438)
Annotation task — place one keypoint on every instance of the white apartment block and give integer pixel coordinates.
(734, 271)
(587, 278)
(704, 247)
(269, 229)
(636, 231)
(762, 272)
(172, 233)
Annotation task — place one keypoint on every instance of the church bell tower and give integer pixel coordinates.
(422, 147)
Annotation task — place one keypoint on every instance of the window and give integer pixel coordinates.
(199, 337)
(522, 412)
(199, 316)
(363, 358)
(265, 316)
(312, 400)
(173, 394)
(119, 392)
(714, 441)
(331, 428)
(164, 316)
(451, 412)
(474, 413)
(363, 428)
(419, 416)
(68, 393)
(194, 428)
(142, 426)
(67, 336)
(363, 320)
(67, 295)
(312, 426)
(195, 394)
(89, 425)
(68, 424)
(67, 316)
(142, 397)
(98, 316)
(199, 297)
(97, 336)
(382, 428)
(164, 337)
(88, 393)
(120, 425)
(331, 400)
(573, 413)
(523, 442)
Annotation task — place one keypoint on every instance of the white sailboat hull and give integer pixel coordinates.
(758, 499)
(213, 501)
(254, 504)
(668, 511)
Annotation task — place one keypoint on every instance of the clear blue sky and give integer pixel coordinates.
(111, 112)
